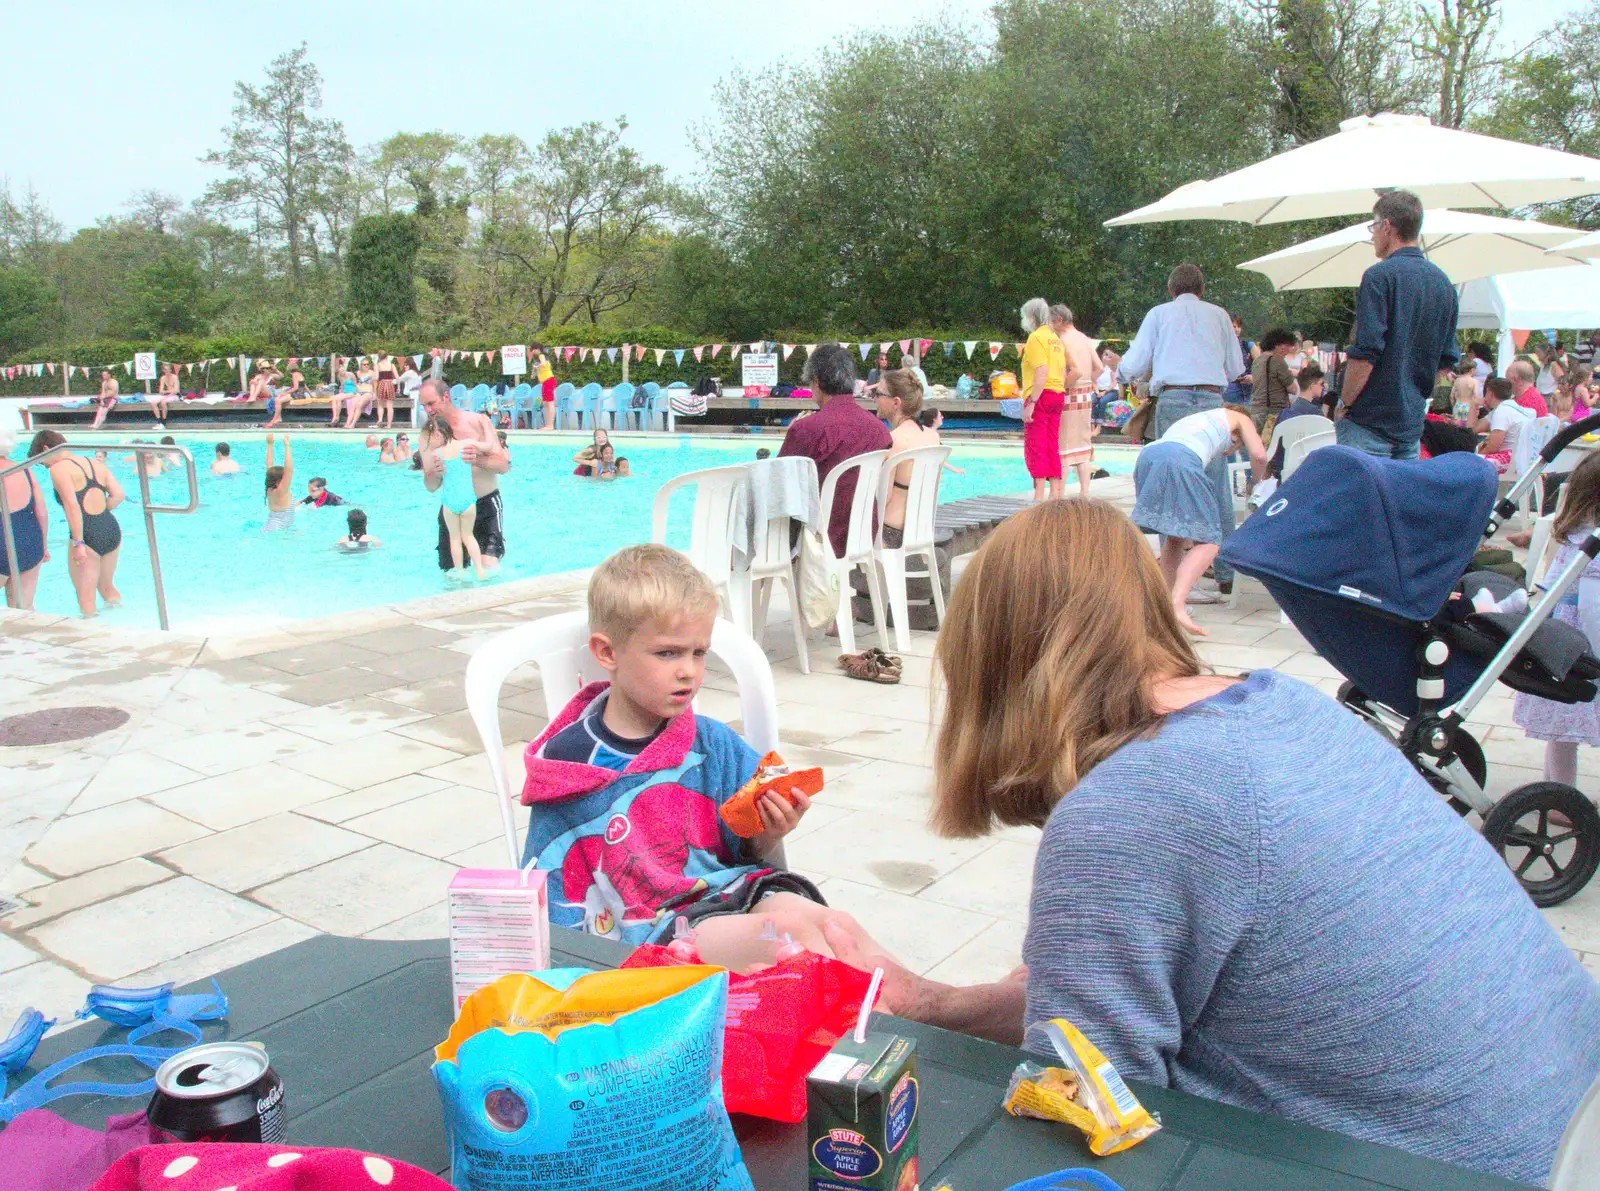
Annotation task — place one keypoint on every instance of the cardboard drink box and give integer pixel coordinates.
(861, 1115)
(499, 923)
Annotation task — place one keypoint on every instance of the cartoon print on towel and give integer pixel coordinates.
(633, 846)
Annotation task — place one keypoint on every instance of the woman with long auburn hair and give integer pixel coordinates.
(1241, 890)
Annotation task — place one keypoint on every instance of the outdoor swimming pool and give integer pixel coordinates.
(223, 574)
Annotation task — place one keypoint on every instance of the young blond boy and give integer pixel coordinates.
(626, 782)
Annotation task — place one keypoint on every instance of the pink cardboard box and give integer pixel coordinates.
(499, 923)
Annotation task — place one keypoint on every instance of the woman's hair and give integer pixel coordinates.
(43, 441)
(1582, 508)
(1277, 337)
(903, 385)
(1053, 639)
(388, 442)
(437, 425)
(274, 477)
(600, 437)
(356, 521)
(1035, 314)
(604, 447)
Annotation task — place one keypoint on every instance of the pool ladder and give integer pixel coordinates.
(140, 450)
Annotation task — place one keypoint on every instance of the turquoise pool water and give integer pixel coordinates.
(224, 574)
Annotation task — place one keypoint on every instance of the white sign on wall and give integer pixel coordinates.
(514, 359)
(760, 368)
(144, 365)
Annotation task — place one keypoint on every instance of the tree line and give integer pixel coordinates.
(927, 178)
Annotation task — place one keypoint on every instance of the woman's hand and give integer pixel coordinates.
(903, 992)
(777, 813)
(1027, 411)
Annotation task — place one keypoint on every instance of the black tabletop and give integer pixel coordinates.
(351, 1024)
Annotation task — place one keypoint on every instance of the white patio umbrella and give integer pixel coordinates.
(1587, 247)
(1466, 246)
(1344, 174)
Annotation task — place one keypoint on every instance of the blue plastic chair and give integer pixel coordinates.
(525, 399)
(593, 410)
(458, 396)
(565, 392)
(655, 402)
(479, 397)
(620, 406)
(666, 401)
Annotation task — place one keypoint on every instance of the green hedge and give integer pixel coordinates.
(940, 368)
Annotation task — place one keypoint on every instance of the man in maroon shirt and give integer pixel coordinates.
(838, 431)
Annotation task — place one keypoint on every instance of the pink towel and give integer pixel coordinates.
(40, 1151)
(245, 1167)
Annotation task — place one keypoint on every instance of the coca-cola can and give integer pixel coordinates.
(218, 1091)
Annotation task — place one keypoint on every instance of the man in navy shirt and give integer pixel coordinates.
(1405, 332)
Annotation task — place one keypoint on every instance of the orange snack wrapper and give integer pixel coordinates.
(741, 813)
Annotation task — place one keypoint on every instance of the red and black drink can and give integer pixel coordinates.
(218, 1091)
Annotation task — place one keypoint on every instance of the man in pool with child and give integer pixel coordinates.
(489, 458)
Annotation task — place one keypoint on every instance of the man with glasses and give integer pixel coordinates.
(1405, 333)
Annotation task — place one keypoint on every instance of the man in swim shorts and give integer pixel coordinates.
(489, 462)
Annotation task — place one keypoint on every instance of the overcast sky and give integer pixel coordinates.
(99, 100)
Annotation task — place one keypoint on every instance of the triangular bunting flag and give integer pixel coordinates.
(52, 368)
(994, 350)
(611, 355)
(865, 349)
(490, 354)
(735, 349)
(294, 361)
(677, 354)
(477, 358)
(846, 347)
(698, 352)
(923, 345)
(638, 353)
(416, 361)
(759, 347)
(660, 355)
(788, 350)
(883, 347)
(716, 350)
(905, 347)
(810, 347)
(948, 348)
(969, 344)
(569, 352)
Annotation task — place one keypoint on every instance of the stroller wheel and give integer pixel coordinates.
(1549, 834)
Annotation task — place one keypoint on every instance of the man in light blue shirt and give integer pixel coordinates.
(1188, 350)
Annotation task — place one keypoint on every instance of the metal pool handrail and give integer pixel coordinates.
(140, 449)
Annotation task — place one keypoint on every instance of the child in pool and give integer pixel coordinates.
(1564, 726)
(386, 451)
(357, 538)
(626, 784)
(455, 493)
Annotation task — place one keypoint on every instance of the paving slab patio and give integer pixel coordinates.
(325, 776)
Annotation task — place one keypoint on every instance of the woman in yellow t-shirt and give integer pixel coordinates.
(547, 386)
(1044, 370)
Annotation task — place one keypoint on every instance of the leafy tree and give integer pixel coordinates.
(581, 238)
(279, 155)
(166, 297)
(383, 259)
(25, 302)
(1455, 41)
(427, 166)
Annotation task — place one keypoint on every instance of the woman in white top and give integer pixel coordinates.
(1175, 498)
(1502, 423)
(1551, 370)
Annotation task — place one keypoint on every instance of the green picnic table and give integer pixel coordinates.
(351, 1024)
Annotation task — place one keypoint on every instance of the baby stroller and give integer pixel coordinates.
(1369, 559)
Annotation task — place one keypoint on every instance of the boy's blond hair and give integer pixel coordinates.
(644, 583)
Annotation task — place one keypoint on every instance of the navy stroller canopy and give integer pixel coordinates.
(1390, 535)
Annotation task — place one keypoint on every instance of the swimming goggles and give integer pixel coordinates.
(144, 1012)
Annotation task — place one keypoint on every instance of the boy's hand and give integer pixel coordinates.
(779, 817)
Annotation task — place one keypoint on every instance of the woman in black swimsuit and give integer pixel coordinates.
(87, 492)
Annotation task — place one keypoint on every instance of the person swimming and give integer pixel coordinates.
(280, 499)
(357, 537)
(386, 452)
(224, 464)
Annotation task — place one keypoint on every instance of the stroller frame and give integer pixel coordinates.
(1433, 739)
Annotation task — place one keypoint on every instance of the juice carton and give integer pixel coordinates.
(499, 924)
(861, 1115)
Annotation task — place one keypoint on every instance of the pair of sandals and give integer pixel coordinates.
(874, 665)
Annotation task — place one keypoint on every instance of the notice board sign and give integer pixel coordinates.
(514, 359)
(144, 365)
(760, 368)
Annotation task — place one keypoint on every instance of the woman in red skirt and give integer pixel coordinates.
(1044, 370)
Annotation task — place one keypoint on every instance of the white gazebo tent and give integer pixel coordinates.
(1559, 299)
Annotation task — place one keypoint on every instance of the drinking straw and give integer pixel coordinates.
(867, 1003)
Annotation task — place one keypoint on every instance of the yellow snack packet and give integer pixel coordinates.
(1087, 1093)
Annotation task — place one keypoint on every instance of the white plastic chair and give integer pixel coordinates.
(716, 511)
(1538, 549)
(1577, 1164)
(1295, 453)
(922, 499)
(773, 562)
(858, 542)
(1532, 435)
(559, 647)
(1288, 434)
